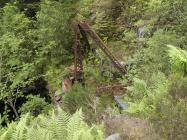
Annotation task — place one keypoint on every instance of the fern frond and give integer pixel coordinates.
(19, 133)
(54, 127)
(61, 120)
(75, 123)
(178, 59)
(37, 132)
(7, 135)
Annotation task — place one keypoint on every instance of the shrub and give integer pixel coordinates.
(145, 96)
(178, 87)
(85, 98)
(35, 105)
(169, 119)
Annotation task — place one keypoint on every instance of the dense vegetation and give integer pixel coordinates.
(36, 41)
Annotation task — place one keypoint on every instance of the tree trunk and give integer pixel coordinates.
(14, 109)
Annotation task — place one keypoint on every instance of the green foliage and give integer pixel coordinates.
(55, 33)
(178, 60)
(58, 126)
(146, 97)
(55, 30)
(163, 101)
(157, 45)
(41, 46)
(18, 64)
(77, 98)
(55, 76)
(169, 119)
(29, 48)
(85, 6)
(92, 71)
(35, 105)
(139, 89)
(178, 87)
(16, 67)
(82, 97)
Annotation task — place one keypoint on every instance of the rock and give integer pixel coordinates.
(57, 98)
(66, 85)
(121, 104)
(130, 128)
(115, 136)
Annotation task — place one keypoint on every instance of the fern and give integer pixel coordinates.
(8, 133)
(178, 60)
(74, 126)
(20, 130)
(152, 95)
(60, 126)
(139, 88)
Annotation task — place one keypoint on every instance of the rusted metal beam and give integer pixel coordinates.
(84, 26)
(82, 47)
(112, 86)
(86, 48)
(78, 67)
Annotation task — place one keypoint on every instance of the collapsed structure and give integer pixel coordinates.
(82, 47)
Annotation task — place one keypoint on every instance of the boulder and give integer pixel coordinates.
(114, 137)
(129, 128)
